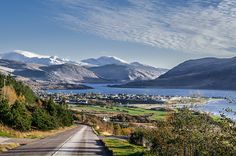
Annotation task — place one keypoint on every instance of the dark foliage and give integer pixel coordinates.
(21, 118)
(41, 119)
(5, 112)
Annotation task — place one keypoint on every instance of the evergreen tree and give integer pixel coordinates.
(42, 120)
(5, 112)
(21, 118)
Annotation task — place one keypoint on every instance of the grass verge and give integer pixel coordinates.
(123, 148)
(7, 146)
(34, 134)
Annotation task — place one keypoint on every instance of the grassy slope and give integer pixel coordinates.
(123, 148)
(156, 115)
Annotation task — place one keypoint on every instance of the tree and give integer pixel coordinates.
(5, 112)
(21, 118)
(64, 115)
(51, 107)
(42, 120)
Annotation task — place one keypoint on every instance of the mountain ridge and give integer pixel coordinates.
(204, 73)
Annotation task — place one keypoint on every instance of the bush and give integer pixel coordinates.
(137, 137)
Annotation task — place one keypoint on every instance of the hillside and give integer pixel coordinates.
(104, 60)
(127, 72)
(206, 73)
(22, 110)
(16, 87)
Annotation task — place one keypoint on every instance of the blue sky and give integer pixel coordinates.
(162, 33)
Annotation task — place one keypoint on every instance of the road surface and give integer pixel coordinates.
(80, 141)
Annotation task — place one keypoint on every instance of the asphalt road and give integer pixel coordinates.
(80, 141)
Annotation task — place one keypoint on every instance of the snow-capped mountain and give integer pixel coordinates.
(104, 60)
(127, 72)
(54, 69)
(113, 68)
(30, 57)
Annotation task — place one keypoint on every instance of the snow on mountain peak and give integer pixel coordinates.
(113, 58)
(29, 54)
(104, 60)
(30, 57)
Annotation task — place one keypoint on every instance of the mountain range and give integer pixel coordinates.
(205, 73)
(29, 57)
(48, 71)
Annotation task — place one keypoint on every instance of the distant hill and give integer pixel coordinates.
(206, 73)
(104, 60)
(117, 70)
(127, 72)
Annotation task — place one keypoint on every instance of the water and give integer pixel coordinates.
(215, 107)
(103, 89)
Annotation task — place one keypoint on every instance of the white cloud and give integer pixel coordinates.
(190, 26)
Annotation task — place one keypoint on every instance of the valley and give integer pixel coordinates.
(118, 78)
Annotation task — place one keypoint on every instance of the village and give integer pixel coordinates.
(118, 99)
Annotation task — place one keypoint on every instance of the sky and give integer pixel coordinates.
(162, 33)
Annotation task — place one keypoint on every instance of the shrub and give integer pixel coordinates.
(137, 137)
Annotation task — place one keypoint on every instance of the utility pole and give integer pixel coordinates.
(4, 89)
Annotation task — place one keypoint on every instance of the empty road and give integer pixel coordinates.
(80, 141)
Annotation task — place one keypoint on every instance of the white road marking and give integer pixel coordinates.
(69, 147)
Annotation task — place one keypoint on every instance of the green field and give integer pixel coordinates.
(123, 148)
(155, 115)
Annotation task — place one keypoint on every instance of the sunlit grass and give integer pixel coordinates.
(123, 148)
(7, 146)
(154, 115)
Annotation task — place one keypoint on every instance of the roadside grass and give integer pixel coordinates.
(123, 148)
(154, 115)
(8, 146)
(5, 134)
(34, 134)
